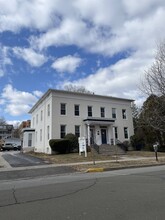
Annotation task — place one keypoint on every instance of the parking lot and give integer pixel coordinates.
(18, 159)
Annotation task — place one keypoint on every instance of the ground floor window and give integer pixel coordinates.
(116, 133)
(29, 140)
(63, 131)
(48, 132)
(125, 132)
(77, 130)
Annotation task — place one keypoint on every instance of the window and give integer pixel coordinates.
(63, 131)
(102, 112)
(36, 136)
(37, 119)
(125, 132)
(90, 111)
(76, 110)
(48, 109)
(40, 134)
(41, 115)
(48, 135)
(113, 112)
(124, 113)
(63, 109)
(116, 133)
(29, 139)
(33, 121)
(77, 130)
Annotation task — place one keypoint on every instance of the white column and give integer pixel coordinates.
(113, 135)
(88, 128)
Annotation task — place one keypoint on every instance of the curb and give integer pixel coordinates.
(90, 170)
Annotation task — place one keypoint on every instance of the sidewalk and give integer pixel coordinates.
(93, 166)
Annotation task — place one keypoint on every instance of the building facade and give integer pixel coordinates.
(100, 119)
(6, 131)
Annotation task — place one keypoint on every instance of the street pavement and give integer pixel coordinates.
(130, 194)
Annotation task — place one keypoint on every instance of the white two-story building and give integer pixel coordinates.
(102, 119)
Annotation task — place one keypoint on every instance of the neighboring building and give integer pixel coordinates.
(25, 124)
(6, 131)
(101, 119)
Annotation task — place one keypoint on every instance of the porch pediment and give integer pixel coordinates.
(98, 120)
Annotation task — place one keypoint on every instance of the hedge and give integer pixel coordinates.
(60, 145)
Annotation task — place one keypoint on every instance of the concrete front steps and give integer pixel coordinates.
(106, 149)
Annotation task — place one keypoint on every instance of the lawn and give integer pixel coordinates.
(139, 159)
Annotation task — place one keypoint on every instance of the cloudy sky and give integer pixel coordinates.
(104, 45)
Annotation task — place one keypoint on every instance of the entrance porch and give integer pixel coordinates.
(100, 131)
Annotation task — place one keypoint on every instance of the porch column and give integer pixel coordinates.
(114, 139)
(88, 128)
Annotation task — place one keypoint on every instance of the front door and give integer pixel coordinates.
(103, 136)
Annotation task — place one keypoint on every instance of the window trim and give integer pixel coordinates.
(76, 110)
(114, 114)
(126, 133)
(77, 133)
(124, 113)
(102, 113)
(64, 133)
(90, 112)
(63, 111)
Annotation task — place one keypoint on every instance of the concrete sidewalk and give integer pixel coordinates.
(3, 162)
(5, 166)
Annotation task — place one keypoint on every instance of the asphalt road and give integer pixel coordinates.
(124, 194)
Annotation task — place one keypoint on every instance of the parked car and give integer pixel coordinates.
(10, 146)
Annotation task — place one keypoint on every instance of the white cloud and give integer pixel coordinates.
(4, 59)
(121, 79)
(30, 56)
(105, 27)
(17, 102)
(67, 64)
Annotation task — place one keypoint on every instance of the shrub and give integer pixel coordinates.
(73, 142)
(60, 145)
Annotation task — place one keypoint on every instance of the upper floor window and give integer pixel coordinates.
(37, 119)
(90, 111)
(76, 110)
(63, 131)
(33, 121)
(63, 109)
(102, 112)
(125, 132)
(48, 109)
(41, 115)
(124, 113)
(113, 112)
(77, 130)
(40, 134)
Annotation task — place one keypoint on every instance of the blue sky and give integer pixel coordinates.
(104, 46)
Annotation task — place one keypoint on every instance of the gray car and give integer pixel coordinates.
(10, 146)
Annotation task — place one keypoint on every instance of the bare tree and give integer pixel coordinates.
(154, 86)
(74, 88)
(154, 79)
(2, 121)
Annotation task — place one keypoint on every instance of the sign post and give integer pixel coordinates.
(82, 145)
(155, 146)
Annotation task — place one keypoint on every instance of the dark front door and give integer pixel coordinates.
(103, 136)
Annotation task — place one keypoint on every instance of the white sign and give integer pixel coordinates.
(82, 145)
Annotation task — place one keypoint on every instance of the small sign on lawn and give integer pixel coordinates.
(82, 145)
